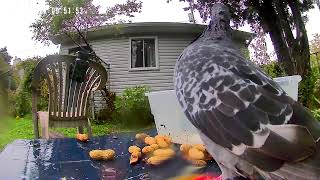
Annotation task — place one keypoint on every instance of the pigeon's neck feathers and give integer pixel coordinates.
(217, 31)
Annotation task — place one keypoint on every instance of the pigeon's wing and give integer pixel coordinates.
(240, 108)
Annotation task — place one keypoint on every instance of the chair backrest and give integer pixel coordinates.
(68, 99)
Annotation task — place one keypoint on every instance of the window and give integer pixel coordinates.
(143, 53)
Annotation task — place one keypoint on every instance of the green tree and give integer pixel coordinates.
(5, 60)
(315, 66)
(4, 70)
(5, 55)
(283, 20)
(20, 99)
(315, 43)
(75, 17)
(315, 53)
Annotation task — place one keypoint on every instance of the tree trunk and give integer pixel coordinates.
(272, 25)
(292, 53)
(301, 53)
(301, 48)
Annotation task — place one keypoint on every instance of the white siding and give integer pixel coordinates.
(116, 52)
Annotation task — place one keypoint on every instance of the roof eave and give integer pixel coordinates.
(149, 28)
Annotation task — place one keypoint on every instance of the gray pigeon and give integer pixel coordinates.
(249, 124)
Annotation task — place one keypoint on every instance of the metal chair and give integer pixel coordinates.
(68, 98)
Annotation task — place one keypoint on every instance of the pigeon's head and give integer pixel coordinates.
(219, 27)
(220, 13)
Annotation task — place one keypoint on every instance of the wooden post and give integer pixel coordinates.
(92, 105)
(35, 116)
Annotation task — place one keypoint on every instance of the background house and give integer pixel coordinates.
(143, 53)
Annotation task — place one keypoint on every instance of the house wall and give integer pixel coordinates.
(117, 52)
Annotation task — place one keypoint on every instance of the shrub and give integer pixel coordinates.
(307, 90)
(132, 107)
(316, 113)
(20, 103)
(309, 87)
(105, 115)
(273, 69)
(20, 99)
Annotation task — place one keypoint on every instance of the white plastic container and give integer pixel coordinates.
(289, 84)
(170, 120)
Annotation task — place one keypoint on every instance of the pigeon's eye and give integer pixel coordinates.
(221, 13)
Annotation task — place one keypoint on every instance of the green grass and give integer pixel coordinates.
(101, 129)
(11, 129)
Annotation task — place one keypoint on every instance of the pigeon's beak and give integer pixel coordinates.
(222, 22)
(223, 17)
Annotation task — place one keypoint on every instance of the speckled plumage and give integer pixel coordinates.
(247, 116)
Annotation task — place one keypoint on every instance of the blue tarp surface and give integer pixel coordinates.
(68, 158)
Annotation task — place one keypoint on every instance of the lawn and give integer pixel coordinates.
(11, 129)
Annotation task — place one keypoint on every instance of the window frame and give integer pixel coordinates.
(156, 54)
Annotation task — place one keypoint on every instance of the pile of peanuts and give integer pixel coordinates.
(196, 154)
(157, 149)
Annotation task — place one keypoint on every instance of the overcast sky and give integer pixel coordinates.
(17, 15)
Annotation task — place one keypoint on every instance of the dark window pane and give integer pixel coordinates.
(136, 53)
(143, 53)
(149, 53)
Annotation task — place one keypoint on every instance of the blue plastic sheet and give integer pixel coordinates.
(68, 158)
